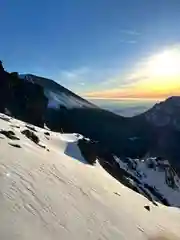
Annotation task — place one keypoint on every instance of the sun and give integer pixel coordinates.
(165, 64)
(160, 74)
(155, 76)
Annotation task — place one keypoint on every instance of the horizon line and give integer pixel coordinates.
(124, 98)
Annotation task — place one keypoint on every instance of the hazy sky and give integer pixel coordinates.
(98, 48)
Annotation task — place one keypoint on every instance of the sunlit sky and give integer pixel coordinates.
(97, 48)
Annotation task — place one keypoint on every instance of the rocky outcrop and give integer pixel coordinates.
(22, 99)
(31, 135)
(165, 113)
(164, 122)
(88, 150)
(152, 177)
(4, 88)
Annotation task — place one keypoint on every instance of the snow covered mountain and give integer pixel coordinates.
(48, 190)
(136, 141)
(53, 162)
(57, 94)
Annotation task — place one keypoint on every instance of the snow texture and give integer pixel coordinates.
(44, 194)
(59, 98)
(157, 174)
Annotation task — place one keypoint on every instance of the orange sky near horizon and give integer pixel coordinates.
(138, 92)
(156, 77)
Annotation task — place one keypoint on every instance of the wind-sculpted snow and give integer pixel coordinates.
(44, 194)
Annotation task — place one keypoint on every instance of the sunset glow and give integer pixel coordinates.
(157, 76)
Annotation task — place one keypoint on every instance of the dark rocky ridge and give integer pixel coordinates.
(22, 99)
(131, 174)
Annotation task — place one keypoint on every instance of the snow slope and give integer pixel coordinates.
(158, 175)
(44, 194)
(57, 94)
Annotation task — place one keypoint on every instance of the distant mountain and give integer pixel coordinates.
(166, 113)
(57, 94)
(154, 134)
(164, 118)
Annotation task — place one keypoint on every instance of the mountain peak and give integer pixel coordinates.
(174, 100)
(165, 113)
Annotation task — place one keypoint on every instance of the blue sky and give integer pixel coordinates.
(85, 45)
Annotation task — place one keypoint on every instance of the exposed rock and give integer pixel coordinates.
(5, 118)
(14, 126)
(42, 146)
(88, 150)
(15, 145)
(117, 194)
(31, 128)
(24, 100)
(47, 133)
(31, 135)
(147, 208)
(4, 89)
(9, 134)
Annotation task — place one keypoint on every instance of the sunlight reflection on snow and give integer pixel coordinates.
(8, 174)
